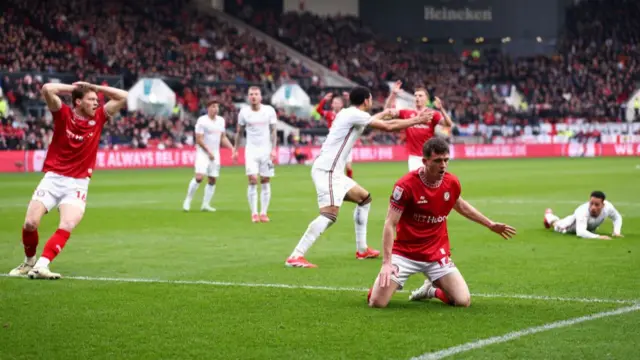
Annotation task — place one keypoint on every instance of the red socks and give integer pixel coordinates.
(443, 297)
(56, 243)
(350, 173)
(30, 242)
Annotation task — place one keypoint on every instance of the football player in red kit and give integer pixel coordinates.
(420, 203)
(68, 166)
(337, 104)
(416, 136)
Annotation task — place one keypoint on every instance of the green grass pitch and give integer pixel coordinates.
(211, 302)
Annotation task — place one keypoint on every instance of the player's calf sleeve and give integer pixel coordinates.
(30, 242)
(442, 296)
(193, 187)
(252, 196)
(314, 230)
(360, 219)
(265, 198)
(55, 244)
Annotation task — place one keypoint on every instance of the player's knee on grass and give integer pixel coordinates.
(198, 178)
(212, 180)
(462, 300)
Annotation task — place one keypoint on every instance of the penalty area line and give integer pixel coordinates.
(331, 288)
(478, 344)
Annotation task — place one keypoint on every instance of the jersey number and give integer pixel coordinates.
(81, 195)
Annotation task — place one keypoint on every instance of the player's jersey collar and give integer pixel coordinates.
(423, 177)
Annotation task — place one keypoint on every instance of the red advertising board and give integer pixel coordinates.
(21, 161)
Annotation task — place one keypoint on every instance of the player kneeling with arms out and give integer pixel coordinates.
(587, 218)
(420, 203)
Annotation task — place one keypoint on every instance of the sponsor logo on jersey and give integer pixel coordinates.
(429, 219)
(422, 200)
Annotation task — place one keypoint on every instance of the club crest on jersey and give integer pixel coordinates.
(92, 122)
(446, 196)
(397, 193)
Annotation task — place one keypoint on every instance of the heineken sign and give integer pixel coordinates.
(432, 13)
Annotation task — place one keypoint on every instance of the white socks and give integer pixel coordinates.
(252, 196)
(193, 187)
(42, 262)
(551, 218)
(265, 198)
(360, 218)
(315, 229)
(209, 190)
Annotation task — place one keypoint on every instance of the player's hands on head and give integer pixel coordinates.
(83, 83)
(504, 230)
(385, 274)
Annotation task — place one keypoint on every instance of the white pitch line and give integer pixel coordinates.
(333, 288)
(478, 344)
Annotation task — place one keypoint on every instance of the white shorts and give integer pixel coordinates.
(205, 166)
(415, 162)
(331, 187)
(55, 190)
(259, 163)
(433, 270)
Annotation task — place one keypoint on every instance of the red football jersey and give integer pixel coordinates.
(421, 234)
(75, 142)
(417, 135)
(329, 116)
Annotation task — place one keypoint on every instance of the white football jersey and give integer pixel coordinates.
(585, 222)
(345, 130)
(257, 125)
(212, 129)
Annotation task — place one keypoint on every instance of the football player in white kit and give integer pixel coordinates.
(586, 219)
(259, 120)
(210, 134)
(333, 186)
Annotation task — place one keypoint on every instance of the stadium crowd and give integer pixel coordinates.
(591, 76)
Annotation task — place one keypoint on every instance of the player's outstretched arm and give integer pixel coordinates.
(388, 234)
(398, 124)
(616, 217)
(583, 232)
(465, 209)
(51, 92)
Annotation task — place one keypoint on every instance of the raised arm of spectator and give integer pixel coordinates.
(51, 92)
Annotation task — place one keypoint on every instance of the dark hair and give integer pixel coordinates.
(598, 195)
(358, 95)
(213, 101)
(79, 92)
(436, 145)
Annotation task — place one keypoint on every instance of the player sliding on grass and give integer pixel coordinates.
(420, 203)
(333, 186)
(586, 219)
(70, 161)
